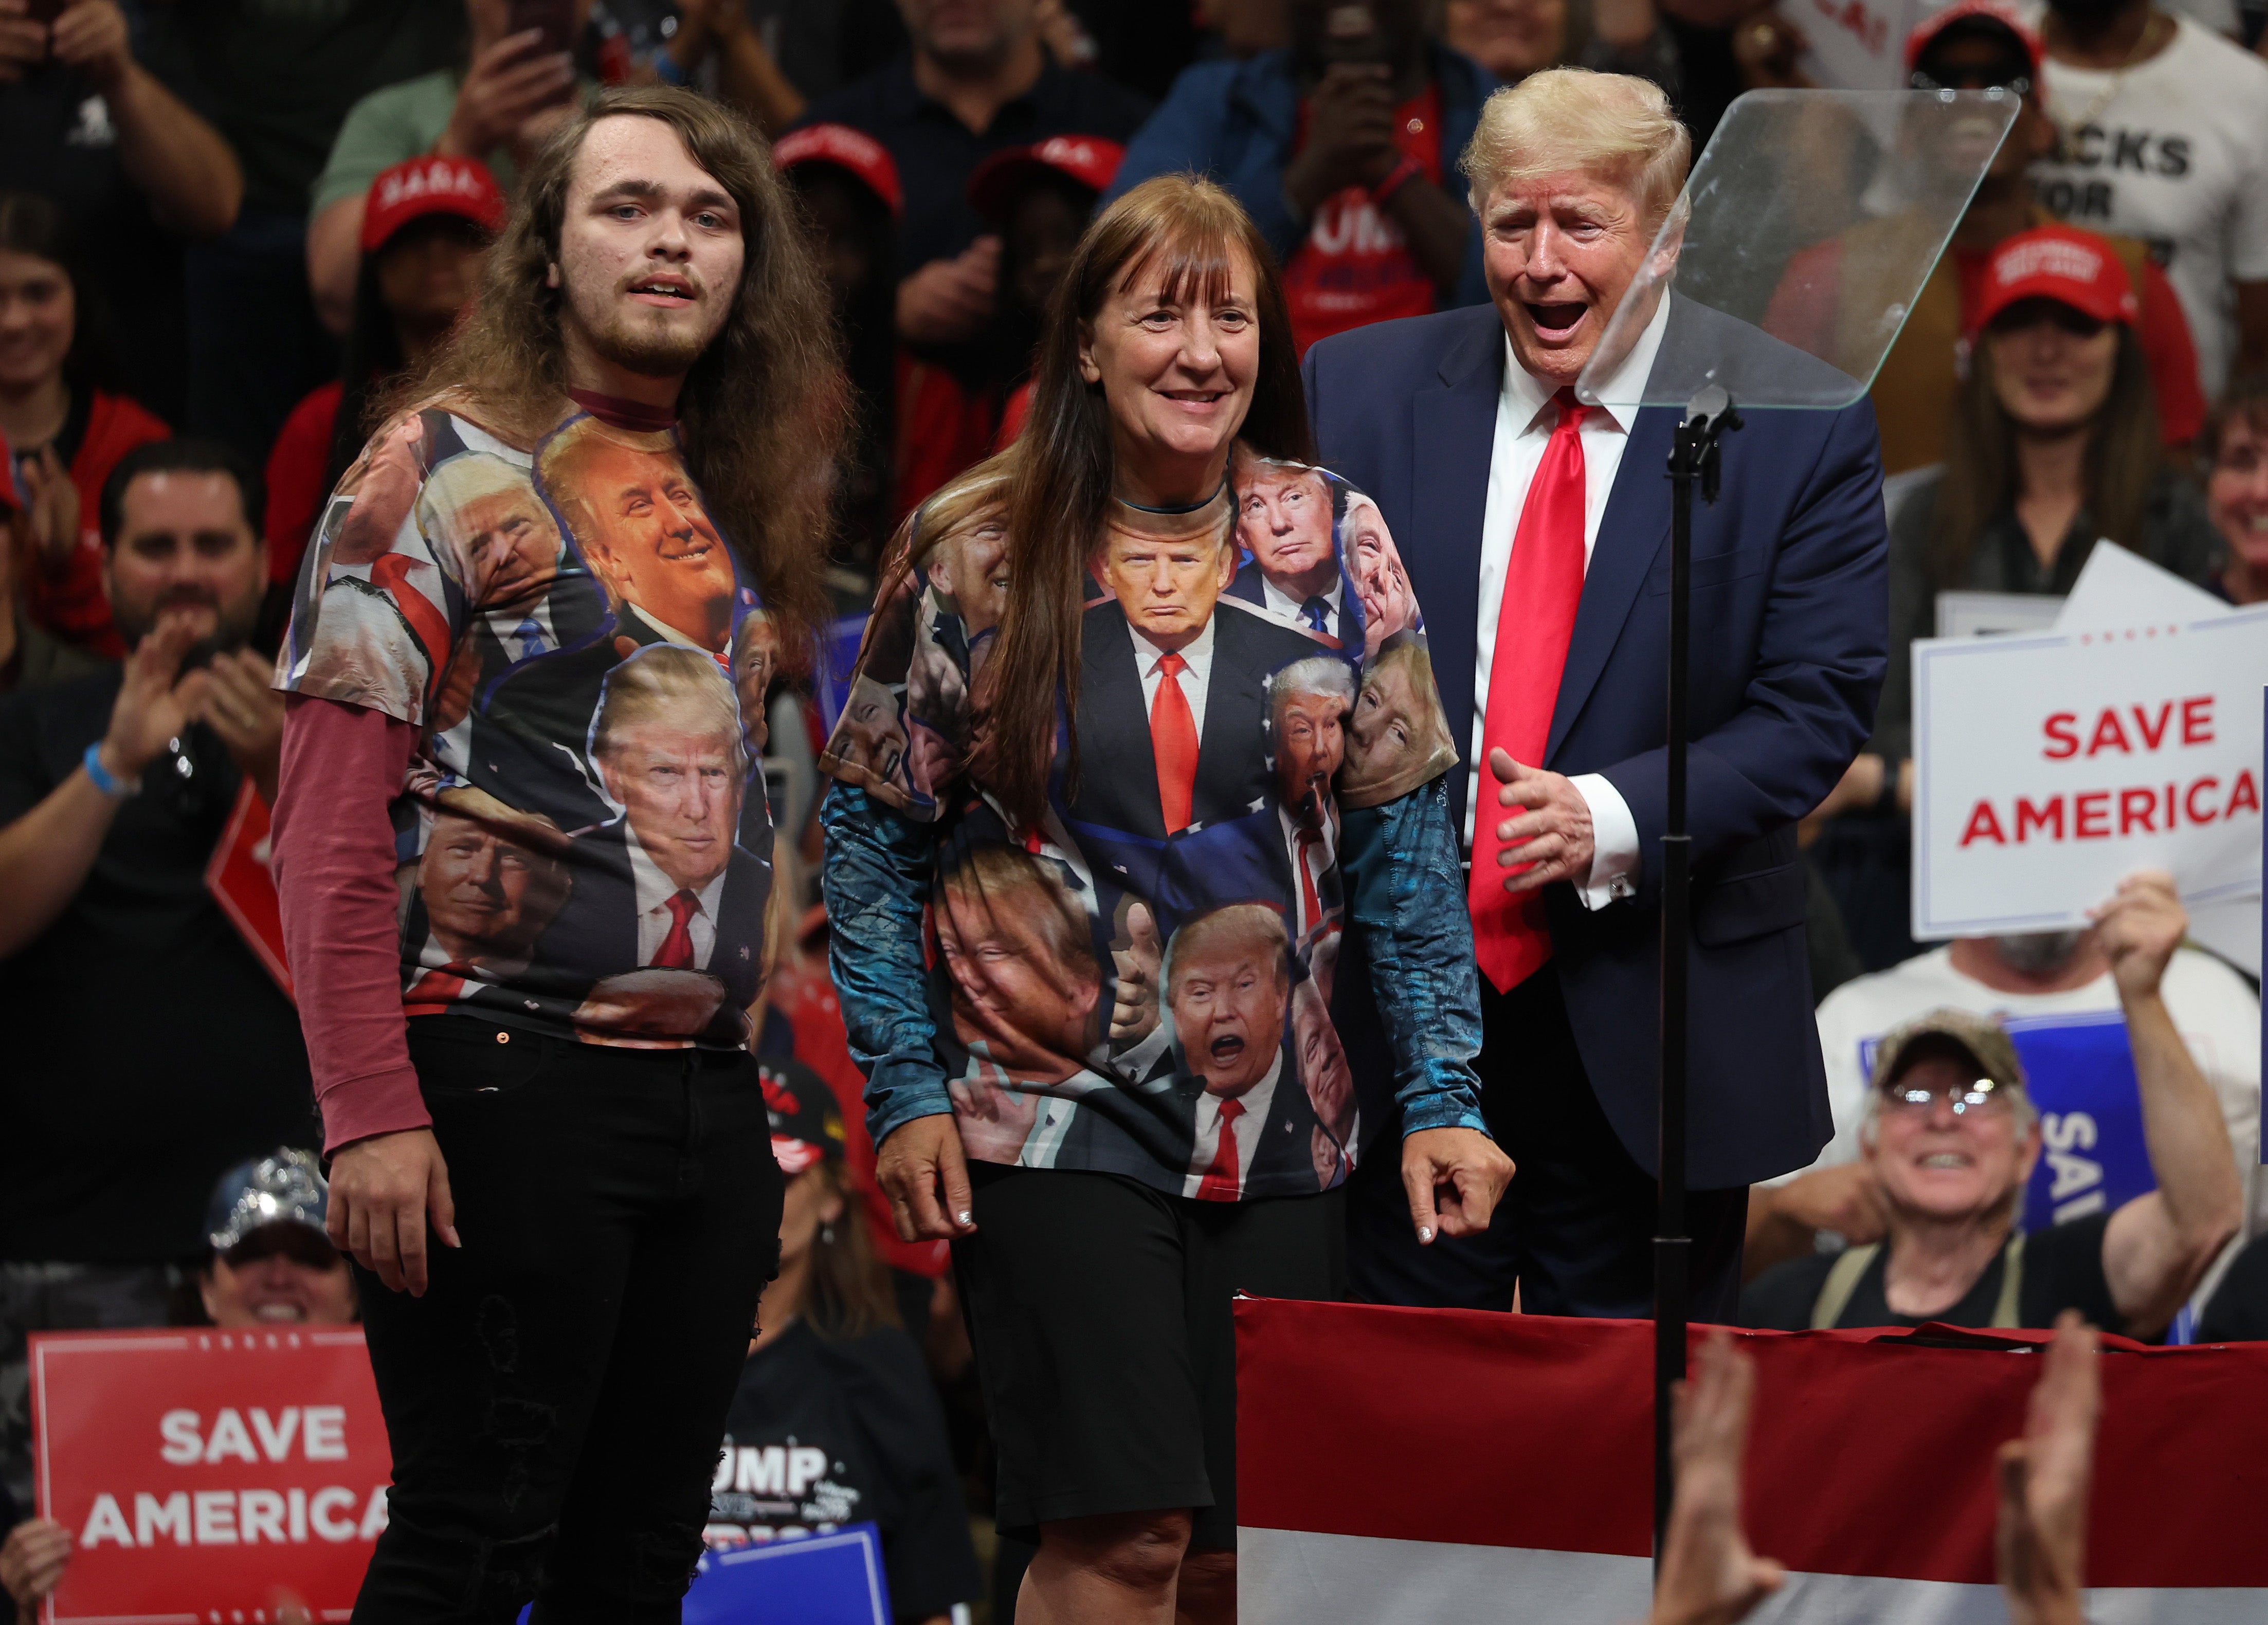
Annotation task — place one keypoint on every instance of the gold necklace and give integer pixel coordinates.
(2067, 131)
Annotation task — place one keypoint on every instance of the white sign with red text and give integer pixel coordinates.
(205, 1475)
(2049, 766)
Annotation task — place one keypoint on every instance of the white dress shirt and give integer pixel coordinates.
(1198, 653)
(1256, 1101)
(654, 890)
(1525, 417)
(1280, 603)
(1320, 856)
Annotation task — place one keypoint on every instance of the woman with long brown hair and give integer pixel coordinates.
(2056, 445)
(1089, 871)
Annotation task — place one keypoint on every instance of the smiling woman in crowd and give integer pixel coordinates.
(2056, 444)
(2233, 449)
(1068, 953)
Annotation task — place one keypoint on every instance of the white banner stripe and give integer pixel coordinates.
(1290, 1576)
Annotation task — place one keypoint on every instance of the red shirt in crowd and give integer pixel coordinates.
(943, 427)
(295, 488)
(69, 600)
(1356, 267)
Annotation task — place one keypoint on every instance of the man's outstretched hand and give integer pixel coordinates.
(1455, 1178)
(383, 1191)
(1708, 1576)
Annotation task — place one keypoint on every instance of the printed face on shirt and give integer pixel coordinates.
(1310, 744)
(1025, 980)
(639, 522)
(1389, 605)
(681, 788)
(971, 566)
(1388, 715)
(872, 733)
(512, 525)
(1283, 519)
(1324, 1069)
(1168, 588)
(486, 895)
(755, 657)
(1226, 983)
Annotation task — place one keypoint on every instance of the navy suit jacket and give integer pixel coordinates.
(1790, 642)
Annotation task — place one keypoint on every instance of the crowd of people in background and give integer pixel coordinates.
(232, 233)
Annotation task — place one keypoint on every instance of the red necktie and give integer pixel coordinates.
(1173, 742)
(676, 950)
(435, 991)
(1311, 906)
(1220, 1181)
(391, 572)
(1543, 587)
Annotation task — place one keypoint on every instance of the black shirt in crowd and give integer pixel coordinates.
(147, 1050)
(936, 153)
(2063, 1270)
(57, 141)
(831, 1430)
(2238, 1309)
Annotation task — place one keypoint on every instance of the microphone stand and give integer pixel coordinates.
(1692, 458)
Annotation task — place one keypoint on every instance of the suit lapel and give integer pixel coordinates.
(1225, 748)
(1118, 789)
(1632, 533)
(1453, 435)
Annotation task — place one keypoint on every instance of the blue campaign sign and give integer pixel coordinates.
(821, 1579)
(2080, 1073)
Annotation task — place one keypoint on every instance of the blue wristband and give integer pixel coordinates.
(116, 789)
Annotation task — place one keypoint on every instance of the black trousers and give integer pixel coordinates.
(1575, 1231)
(555, 1401)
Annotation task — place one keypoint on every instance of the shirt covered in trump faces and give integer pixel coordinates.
(1143, 985)
(583, 840)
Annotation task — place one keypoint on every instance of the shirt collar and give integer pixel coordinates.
(1197, 653)
(1256, 1099)
(654, 888)
(1621, 393)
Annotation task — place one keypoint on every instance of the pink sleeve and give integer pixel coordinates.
(335, 876)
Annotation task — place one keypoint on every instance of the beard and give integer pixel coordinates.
(2038, 953)
(2085, 10)
(636, 340)
(233, 623)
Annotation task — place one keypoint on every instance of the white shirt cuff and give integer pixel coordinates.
(1614, 842)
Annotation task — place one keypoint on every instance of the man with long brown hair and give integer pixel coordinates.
(555, 1379)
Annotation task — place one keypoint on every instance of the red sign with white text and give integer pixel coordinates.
(202, 1474)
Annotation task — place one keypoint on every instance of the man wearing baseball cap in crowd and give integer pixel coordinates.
(1978, 45)
(1039, 199)
(834, 1389)
(426, 227)
(1950, 1135)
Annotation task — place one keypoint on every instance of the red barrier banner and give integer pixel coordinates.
(202, 1473)
(1421, 1465)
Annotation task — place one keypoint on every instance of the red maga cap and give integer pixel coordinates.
(431, 186)
(1090, 160)
(1991, 11)
(845, 148)
(2062, 263)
